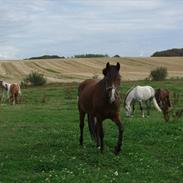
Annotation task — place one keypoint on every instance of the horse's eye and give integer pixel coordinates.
(118, 81)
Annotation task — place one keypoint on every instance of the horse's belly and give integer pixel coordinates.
(85, 103)
(85, 99)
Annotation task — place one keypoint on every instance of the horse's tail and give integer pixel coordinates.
(19, 90)
(156, 104)
(91, 126)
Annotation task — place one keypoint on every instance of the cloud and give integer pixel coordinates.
(70, 27)
(8, 52)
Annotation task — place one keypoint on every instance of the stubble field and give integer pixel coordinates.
(70, 70)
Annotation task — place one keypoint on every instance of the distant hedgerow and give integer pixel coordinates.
(90, 55)
(35, 79)
(159, 74)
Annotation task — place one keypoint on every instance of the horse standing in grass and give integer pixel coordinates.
(100, 100)
(163, 99)
(141, 94)
(10, 91)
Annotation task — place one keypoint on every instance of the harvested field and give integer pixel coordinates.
(74, 70)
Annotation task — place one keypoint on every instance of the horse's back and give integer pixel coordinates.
(14, 88)
(86, 85)
(144, 92)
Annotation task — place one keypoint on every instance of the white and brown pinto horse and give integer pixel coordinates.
(10, 91)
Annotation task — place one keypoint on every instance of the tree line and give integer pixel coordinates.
(175, 52)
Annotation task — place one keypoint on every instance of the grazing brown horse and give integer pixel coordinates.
(100, 100)
(163, 100)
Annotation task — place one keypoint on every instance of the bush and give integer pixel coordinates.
(35, 78)
(159, 73)
(116, 56)
(45, 57)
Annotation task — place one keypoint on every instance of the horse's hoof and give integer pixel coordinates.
(98, 147)
(81, 143)
(116, 150)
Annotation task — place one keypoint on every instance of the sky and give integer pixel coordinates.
(69, 27)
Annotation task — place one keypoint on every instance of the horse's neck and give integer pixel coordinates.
(129, 98)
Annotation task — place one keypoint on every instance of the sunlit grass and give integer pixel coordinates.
(39, 142)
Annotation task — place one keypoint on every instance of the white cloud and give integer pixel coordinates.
(8, 52)
(76, 26)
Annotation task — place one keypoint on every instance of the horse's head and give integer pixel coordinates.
(128, 110)
(163, 99)
(112, 80)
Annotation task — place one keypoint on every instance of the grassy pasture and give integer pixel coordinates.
(39, 142)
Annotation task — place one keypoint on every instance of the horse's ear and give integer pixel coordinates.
(118, 66)
(107, 67)
(104, 71)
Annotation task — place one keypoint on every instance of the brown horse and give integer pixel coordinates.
(14, 93)
(163, 100)
(100, 100)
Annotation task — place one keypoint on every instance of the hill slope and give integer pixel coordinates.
(69, 70)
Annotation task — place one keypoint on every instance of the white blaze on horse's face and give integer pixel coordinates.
(112, 98)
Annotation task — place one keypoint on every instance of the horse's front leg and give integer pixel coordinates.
(5, 97)
(99, 133)
(81, 116)
(119, 124)
(141, 108)
(133, 107)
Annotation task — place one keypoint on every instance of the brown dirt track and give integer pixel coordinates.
(70, 70)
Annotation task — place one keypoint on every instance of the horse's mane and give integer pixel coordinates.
(129, 90)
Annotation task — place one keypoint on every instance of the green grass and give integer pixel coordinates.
(39, 142)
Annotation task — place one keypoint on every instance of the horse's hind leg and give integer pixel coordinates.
(141, 108)
(16, 98)
(81, 116)
(91, 126)
(11, 98)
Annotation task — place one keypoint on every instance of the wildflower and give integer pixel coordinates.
(116, 173)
